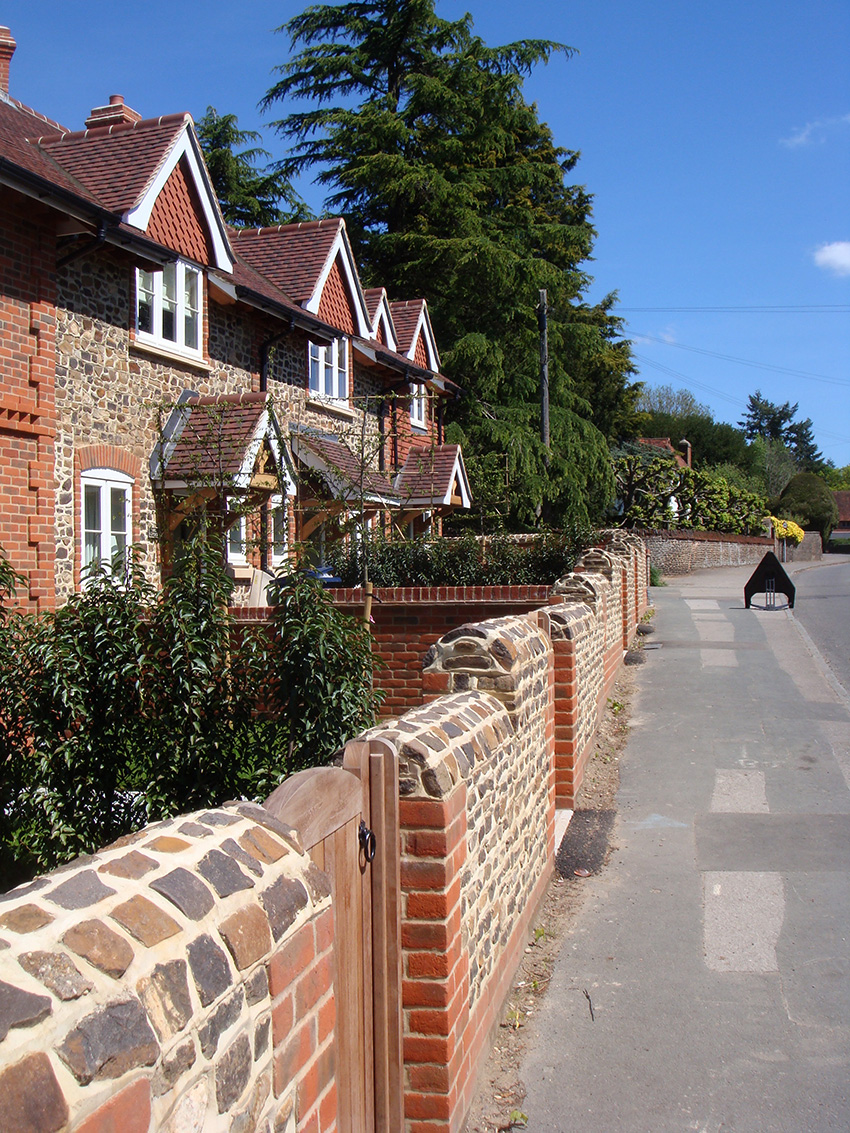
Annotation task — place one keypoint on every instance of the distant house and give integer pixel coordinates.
(665, 447)
(156, 363)
(842, 500)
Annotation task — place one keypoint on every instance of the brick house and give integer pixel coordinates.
(156, 363)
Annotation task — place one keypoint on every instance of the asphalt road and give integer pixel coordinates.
(823, 609)
(704, 985)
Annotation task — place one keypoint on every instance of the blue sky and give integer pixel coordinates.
(715, 139)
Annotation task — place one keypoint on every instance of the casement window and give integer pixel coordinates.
(418, 405)
(237, 542)
(169, 305)
(279, 531)
(107, 498)
(329, 370)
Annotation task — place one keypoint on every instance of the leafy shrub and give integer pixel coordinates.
(463, 561)
(129, 705)
(808, 500)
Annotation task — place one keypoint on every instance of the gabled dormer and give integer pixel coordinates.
(151, 173)
(378, 305)
(415, 334)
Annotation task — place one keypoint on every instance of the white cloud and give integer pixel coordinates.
(814, 132)
(834, 257)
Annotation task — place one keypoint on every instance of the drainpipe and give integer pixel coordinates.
(90, 246)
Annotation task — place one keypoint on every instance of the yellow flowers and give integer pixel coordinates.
(787, 529)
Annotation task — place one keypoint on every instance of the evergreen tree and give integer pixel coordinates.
(776, 423)
(454, 190)
(248, 196)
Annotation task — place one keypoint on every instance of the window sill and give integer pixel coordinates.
(338, 408)
(162, 352)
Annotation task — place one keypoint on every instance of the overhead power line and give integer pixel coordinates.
(746, 361)
(810, 309)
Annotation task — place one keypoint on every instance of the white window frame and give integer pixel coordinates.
(104, 481)
(152, 290)
(278, 548)
(418, 405)
(328, 371)
(237, 539)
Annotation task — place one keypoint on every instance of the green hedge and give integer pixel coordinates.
(464, 561)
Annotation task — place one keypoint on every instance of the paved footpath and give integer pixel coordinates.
(715, 946)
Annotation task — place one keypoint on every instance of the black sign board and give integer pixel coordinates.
(769, 578)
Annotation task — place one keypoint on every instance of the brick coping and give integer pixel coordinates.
(420, 595)
(702, 536)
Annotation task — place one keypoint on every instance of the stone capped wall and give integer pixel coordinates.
(578, 642)
(477, 818)
(179, 981)
(408, 620)
(680, 552)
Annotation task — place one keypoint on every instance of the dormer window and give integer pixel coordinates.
(329, 370)
(418, 405)
(168, 307)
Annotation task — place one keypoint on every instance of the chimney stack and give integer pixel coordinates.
(7, 50)
(112, 115)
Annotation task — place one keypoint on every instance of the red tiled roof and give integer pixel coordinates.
(341, 468)
(18, 124)
(116, 164)
(842, 500)
(666, 446)
(213, 443)
(428, 475)
(405, 313)
(373, 296)
(292, 256)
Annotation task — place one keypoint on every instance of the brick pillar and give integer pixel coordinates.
(435, 987)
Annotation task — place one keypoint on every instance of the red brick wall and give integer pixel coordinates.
(27, 407)
(408, 620)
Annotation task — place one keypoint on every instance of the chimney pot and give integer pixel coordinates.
(7, 50)
(115, 113)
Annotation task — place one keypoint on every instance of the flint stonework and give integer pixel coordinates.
(165, 994)
(80, 891)
(103, 948)
(109, 1042)
(210, 969)
(283, 901)
(57, 972)
(31, 1100)
(223, 873)
(19, 1008)
(184, 890)
(232, 1074)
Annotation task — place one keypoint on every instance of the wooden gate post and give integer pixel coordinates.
(376, 762)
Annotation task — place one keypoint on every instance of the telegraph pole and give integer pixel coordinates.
(543, 326)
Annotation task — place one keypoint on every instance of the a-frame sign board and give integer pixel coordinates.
(769, 578)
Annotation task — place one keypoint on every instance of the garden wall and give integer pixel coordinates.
(680, 552)
(179, 981)
(182, 980)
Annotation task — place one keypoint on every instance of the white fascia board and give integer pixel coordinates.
(265, 429)
(423, 327)
(383, 316)
(459, 473)
(349, 268)
(186, 145)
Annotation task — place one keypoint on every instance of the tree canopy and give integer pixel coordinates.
(454, 190)
(248, 196)
(776, 423)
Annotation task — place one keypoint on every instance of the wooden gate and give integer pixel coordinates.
(336, 810)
